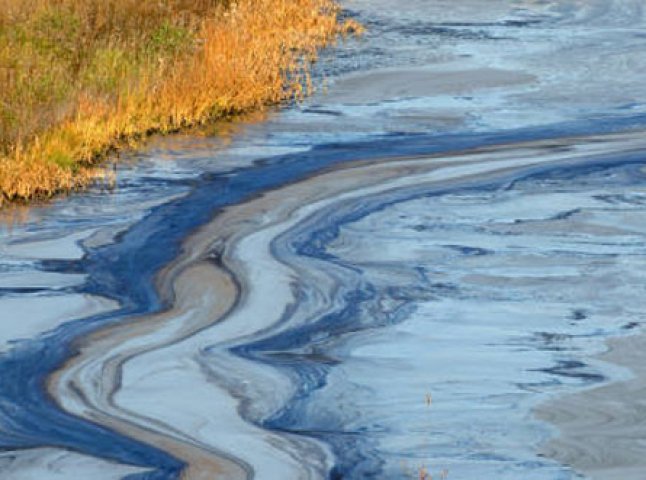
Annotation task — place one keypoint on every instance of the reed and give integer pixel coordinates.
(81, 78)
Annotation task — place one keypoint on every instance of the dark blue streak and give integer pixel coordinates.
(352, 449)
(124, 271)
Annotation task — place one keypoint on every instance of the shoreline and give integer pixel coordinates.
(185, 67)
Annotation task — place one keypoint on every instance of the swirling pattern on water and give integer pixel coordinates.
(435, 247)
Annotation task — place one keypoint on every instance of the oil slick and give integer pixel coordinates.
(291, 317)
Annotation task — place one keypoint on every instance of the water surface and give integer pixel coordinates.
(385, 280)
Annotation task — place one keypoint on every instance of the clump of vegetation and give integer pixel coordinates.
(79, 78)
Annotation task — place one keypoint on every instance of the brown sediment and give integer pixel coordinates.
(602, 430)
(199, 293)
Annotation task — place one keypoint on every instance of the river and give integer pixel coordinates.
(413, 272)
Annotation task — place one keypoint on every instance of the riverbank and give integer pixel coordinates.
(80, 80)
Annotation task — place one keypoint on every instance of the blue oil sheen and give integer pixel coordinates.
(356, 450)
(124, 271)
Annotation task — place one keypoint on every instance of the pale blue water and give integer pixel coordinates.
(488, 294)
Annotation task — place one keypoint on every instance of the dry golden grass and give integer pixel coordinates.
(79, 78)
